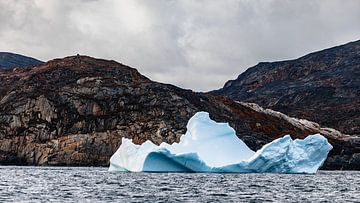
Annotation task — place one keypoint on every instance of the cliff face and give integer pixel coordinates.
(323, 87)
(11, 60)
(75, 110)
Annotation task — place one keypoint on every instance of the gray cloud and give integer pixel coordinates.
(194, 44)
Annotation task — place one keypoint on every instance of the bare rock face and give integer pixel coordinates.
(75, 110)
(323, 87)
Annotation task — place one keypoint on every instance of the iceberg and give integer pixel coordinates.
(208, 146)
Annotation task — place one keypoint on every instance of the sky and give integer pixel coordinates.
(194, 44)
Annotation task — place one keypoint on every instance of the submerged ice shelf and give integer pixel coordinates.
(208, 146)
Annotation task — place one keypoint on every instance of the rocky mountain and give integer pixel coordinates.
(11, 60)
(75, 110)
(323, 87)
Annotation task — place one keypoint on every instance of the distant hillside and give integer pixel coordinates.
(11, 60)
(323, 87)
(75, 110)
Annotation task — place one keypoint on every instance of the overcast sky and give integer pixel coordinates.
(194, 44)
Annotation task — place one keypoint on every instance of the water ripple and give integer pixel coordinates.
(70, 184)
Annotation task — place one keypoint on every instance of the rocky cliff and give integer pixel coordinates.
(11, 60)
(323, 87)
(75, 110)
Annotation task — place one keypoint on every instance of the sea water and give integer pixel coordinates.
(93, 184)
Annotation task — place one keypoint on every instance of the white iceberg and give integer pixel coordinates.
(209, 146)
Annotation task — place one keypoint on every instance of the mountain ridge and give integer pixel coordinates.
(322, 86)
(10, 60)
(75, 110)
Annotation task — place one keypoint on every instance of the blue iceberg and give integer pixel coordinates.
(208, 146)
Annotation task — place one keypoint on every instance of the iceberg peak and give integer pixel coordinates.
(209, 146)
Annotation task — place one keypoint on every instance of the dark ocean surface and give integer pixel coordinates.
(89, 184)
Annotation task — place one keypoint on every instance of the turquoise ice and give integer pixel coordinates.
(208, 146)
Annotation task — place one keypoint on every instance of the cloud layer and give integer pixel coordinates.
(193, 44)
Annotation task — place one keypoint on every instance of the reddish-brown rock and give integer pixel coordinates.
(75, 110)
(323, 87)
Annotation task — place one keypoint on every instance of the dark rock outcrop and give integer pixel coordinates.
(11, 60)
(75, 110)
(323, 87)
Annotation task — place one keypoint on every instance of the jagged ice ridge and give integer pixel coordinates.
(208, 146)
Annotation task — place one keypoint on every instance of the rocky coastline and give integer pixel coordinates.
(75, 110)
